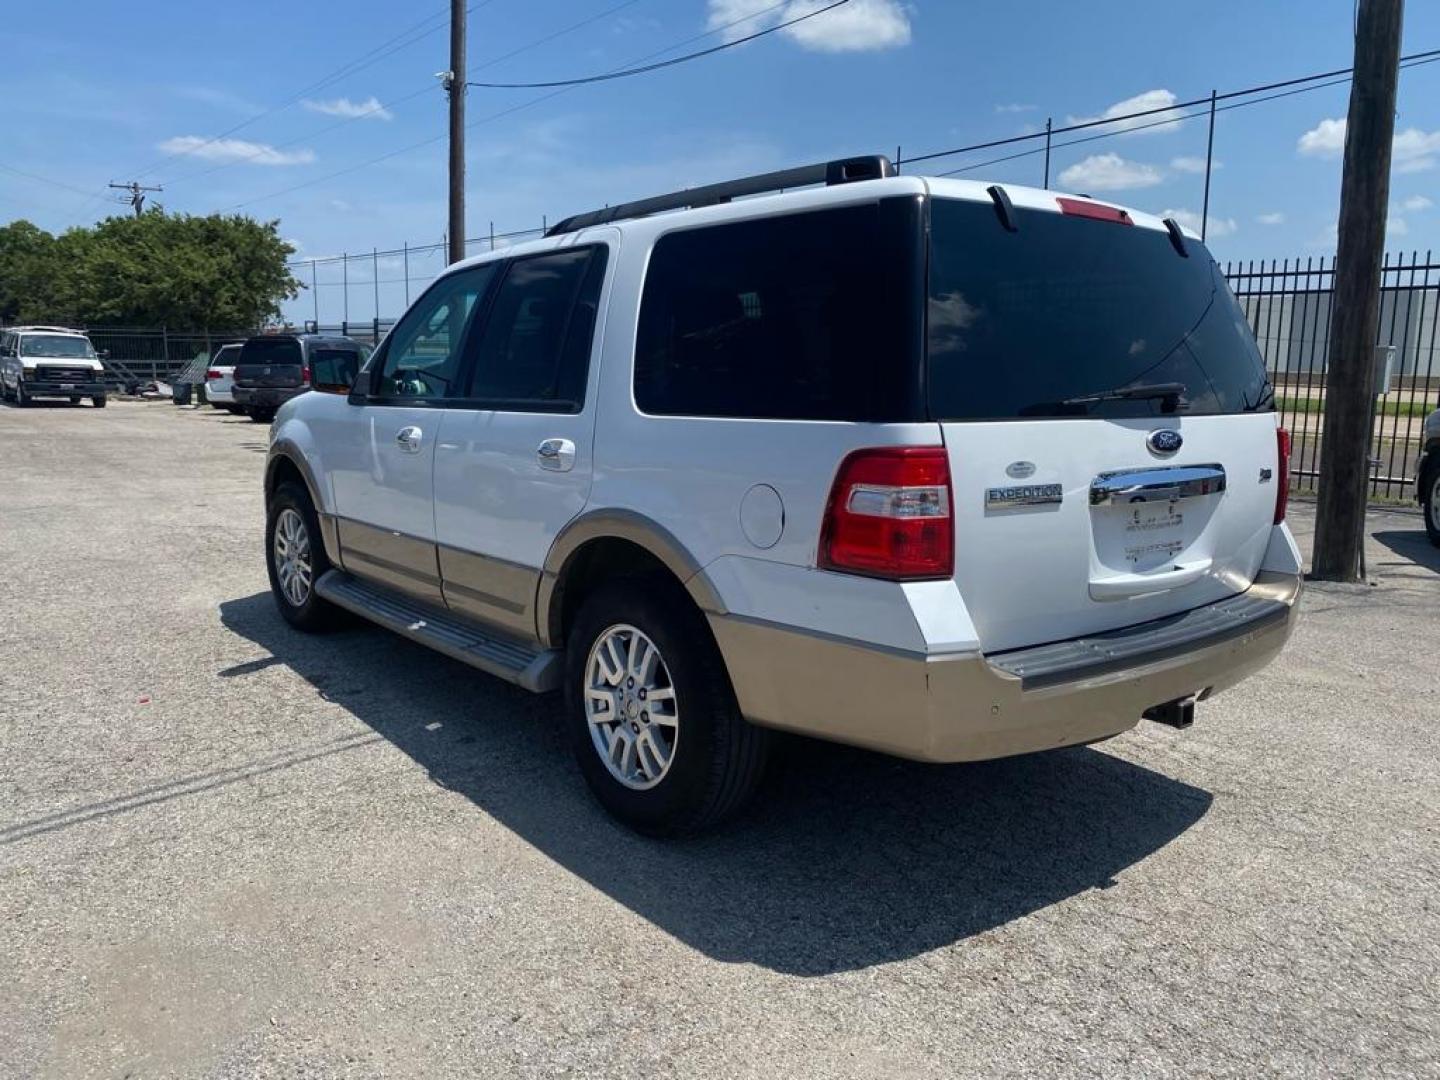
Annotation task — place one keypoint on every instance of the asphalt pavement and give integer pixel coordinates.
(231, 850)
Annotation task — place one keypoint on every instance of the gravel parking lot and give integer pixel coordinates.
(227, 849)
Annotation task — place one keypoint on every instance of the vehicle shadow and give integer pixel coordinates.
(848, 860)
(1412, 545)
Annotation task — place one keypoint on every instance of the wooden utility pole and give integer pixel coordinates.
(455, 86)
(136, 191)
(1349, 380)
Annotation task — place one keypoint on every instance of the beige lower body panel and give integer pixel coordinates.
(499, 592)
(959, 707)
(390, 558)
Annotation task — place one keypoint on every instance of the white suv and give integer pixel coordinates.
(947, 471)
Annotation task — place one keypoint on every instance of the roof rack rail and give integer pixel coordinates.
(842, 171)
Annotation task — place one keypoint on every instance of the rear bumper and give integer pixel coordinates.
(966, 707)
(221, 395)
(265, 397)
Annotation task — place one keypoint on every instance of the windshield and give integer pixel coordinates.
(1044, 321)
(56, 346)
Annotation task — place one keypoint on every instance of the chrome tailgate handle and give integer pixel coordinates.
(1157, 485)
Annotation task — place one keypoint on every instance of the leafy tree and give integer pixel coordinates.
(158, 269)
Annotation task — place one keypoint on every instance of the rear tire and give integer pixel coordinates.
(99, 401)
(295, 560)
(262, 416)
(1430, 499)
(75, 399)
(716, 758)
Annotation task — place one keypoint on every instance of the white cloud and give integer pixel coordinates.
(1192, 164)
(861, 25)
(1416, 150)
(1412, 151)
(1015, 108)
(1276, 218)
(1325, 139)
(1191, 220)
(234, 150)
(1396, 226)
(1416, 202)
(1109, 172)
(369, 109)
(1166, 120)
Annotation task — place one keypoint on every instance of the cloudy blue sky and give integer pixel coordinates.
(281, 110)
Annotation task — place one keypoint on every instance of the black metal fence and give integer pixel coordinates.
(1289, 306)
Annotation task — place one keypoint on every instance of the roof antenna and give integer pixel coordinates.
(1004, 208)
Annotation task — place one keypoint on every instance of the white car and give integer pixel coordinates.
(945, 470)
(50, 362)
(220, 378)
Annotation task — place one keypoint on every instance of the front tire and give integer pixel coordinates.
(653, 719)
(295, 559)
(22, 400)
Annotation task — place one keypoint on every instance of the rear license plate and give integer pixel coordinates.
(1151, 531)
(67, 386)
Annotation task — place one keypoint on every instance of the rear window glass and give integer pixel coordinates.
(271, 351)
(1023, 323)
(777, 318)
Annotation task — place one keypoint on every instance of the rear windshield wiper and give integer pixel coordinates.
(1172, 394)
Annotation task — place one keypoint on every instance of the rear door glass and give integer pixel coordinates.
(1022, 323)
(792, 318)
(333, 367)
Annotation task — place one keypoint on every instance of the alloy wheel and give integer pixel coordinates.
(293, 567)
(631, 707)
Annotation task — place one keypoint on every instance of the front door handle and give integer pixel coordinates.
(557, 455)
(410, 439)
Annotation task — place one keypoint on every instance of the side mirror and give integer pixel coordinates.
(104, 354)
(362, 387)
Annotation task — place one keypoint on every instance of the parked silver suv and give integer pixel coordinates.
(1428, 486)
(940, 469)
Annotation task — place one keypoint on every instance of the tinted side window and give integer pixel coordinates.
(422, 354)
(535, 349)
(781, 318)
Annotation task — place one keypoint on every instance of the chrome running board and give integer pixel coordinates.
(460, 639)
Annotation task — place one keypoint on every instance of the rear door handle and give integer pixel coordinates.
(557, 455)
(410, 439)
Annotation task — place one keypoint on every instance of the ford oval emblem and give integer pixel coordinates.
(1019, 470)
(1164, 442)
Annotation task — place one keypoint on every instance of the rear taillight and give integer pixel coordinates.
(1282, 463)
(889, 515)
(305, 376)
(211, 374)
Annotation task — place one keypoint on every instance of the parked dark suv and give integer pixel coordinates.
(273, 368)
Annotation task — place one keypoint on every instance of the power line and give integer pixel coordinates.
(497, 115)
(1405, 61)
(403, 40)
(426, 89)
(1421, 59)
(626, 73)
